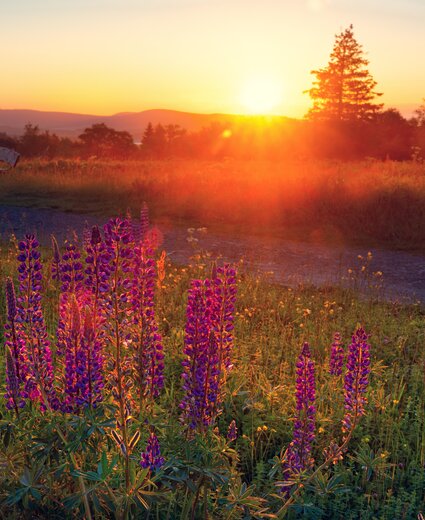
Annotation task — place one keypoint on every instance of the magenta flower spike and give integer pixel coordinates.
(16, 368)
(118, 311)
(39, 383)
(224, 297)
(151, 457)
(88, 365)
(146, 341)
(97, 277)
(201, 374)
(298, 455)
(337, 356)
(356, 379)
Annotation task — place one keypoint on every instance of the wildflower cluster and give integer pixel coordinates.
(298, 455)
(298, 458)
(106, 303)
(208, 345)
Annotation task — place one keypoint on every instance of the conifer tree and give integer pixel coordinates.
(344, 90)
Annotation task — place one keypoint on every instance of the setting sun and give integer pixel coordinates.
(261, 95)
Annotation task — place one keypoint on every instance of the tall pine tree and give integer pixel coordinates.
(344, 90)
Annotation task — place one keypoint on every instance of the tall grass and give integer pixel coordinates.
(382, 202)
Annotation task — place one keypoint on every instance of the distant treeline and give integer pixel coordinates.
(388, 136)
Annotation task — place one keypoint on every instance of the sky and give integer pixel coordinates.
(232, 56)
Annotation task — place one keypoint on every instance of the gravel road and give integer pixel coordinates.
(288, 262)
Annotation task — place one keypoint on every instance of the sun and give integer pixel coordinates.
(261, 95)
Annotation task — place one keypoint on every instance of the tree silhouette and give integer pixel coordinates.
(148, 136)
(102, 141)
(344, 90)
(420, 114)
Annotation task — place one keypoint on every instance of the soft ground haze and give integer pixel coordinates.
(107, 56)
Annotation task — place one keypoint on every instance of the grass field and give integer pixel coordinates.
(380, 477)
(370, 202)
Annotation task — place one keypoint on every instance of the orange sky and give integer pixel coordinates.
(108, 56)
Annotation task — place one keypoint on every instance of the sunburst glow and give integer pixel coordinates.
(261, 95)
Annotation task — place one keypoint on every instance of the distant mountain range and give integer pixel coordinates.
(66, 124)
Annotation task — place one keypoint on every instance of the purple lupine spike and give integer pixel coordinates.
(201, 374)
(232, 432)
(68, 332)
(151, 457)
(16, 368)
(10, 300)
(118, 309)
(147, 342)
(356, 379)
(13, 393)
(298, 455)
(55, 268)
(89, 365)
(224, 297)
(71, 270)
(39, 382)
(73, 346)
(337, 356)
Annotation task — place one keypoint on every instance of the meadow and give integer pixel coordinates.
(154, 425)
(368, 202)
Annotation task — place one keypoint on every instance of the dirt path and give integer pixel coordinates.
(290, 262)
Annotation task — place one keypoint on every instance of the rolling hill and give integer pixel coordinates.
(66, 124)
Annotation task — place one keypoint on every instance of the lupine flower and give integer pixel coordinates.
(71, 270)
(298, 455)
(201, 375)
(151, 457)
(69, 324)
(16, 367)
(118, 308)
(13, 341)
(89, 365)
(71, 277)
(333, 453)
(356, 379)
(337, 356)
(232, 432)
(72, 337)
(83, 361)
(39, 382)
(13, 394)
(146, 340)
(97, 268)
(224, 297)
